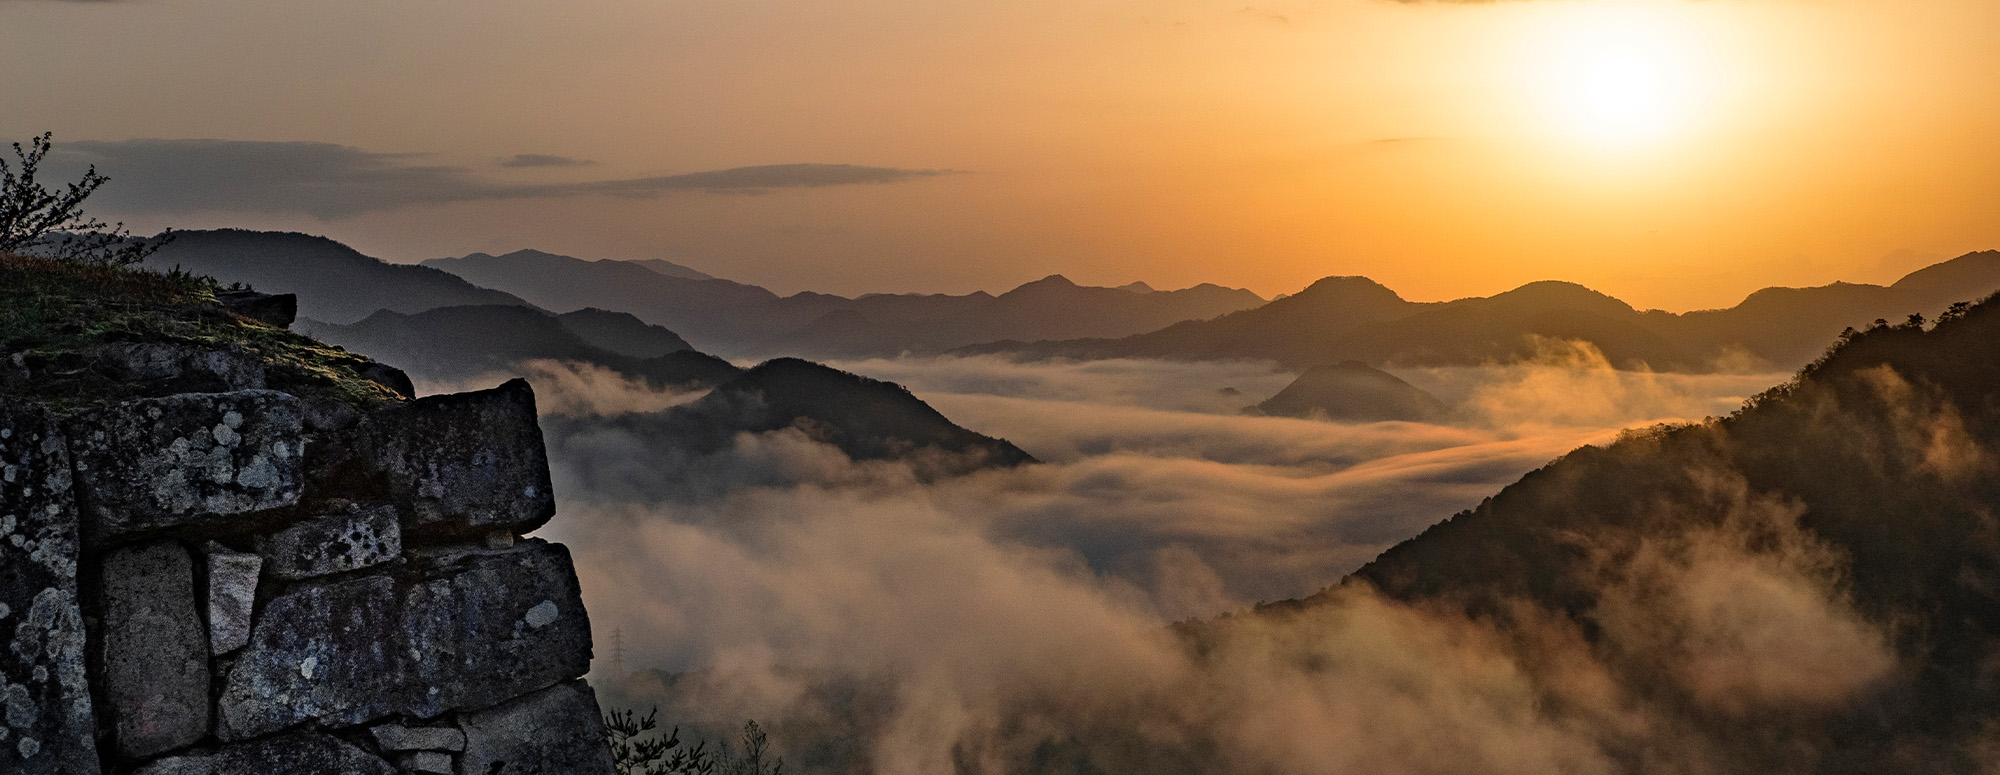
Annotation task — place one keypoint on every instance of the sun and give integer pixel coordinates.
(1621, 97)
(1619, 76)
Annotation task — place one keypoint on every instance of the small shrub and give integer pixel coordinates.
(637, 749)
(51, 223)
(752, 761)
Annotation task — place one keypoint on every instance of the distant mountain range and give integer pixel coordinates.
(334, 283)
(746, 319)
(1335, 320)
(664, 267)
(1354, 318)
(456, 343)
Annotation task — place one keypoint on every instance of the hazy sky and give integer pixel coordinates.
(1675, 153)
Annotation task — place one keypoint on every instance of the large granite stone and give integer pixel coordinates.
(293, 754)
(397, 737)
(46, 722)
(556, 731)
(329, 652)
(155, 463)
(14, 370)
(389, 377)
(494, 625)
(232, 597)
(427, 763)
(155, 652)
(472, 630)
(350, 537)
(276, 309)
(467, 462)
(162, 369)
(341, 463)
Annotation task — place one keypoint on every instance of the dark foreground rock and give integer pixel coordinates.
(276, 309)
(232, 597)
(190, 459)
(494, 625)
(351, 537)
(397, 737)
(552, 732)
(47, 716)
(162, 369)
(466, 463)
(468, 632)
(155, 653)
(322, 652)
(293, 754)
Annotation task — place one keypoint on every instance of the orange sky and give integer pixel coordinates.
(1675, 153)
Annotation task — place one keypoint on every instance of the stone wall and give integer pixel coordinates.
(250, 581)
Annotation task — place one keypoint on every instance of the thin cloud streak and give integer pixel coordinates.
(330, 181)
(544, 160)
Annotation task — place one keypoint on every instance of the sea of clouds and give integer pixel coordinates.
(876, 623)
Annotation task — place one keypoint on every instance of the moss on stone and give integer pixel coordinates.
(52, 313)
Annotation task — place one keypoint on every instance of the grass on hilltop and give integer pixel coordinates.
(53, 312)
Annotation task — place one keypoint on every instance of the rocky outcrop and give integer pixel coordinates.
(279, 583)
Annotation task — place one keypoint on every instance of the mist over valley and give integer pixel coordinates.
(995, 563)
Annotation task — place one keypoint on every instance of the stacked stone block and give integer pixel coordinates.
(46, 725)
(276, 584)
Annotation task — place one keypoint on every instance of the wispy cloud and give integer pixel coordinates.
(1453, 2)
(332, 181)
(544, 160)
(1268, 15)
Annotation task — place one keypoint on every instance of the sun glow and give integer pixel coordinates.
(1620, 76)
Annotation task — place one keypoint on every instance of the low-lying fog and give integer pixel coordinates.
(779, 568)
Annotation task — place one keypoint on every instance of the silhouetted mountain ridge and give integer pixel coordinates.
(334, 282)
(449, 344)
(1353, 318)
(1335, 319)
(745, 318)
(622, 333)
